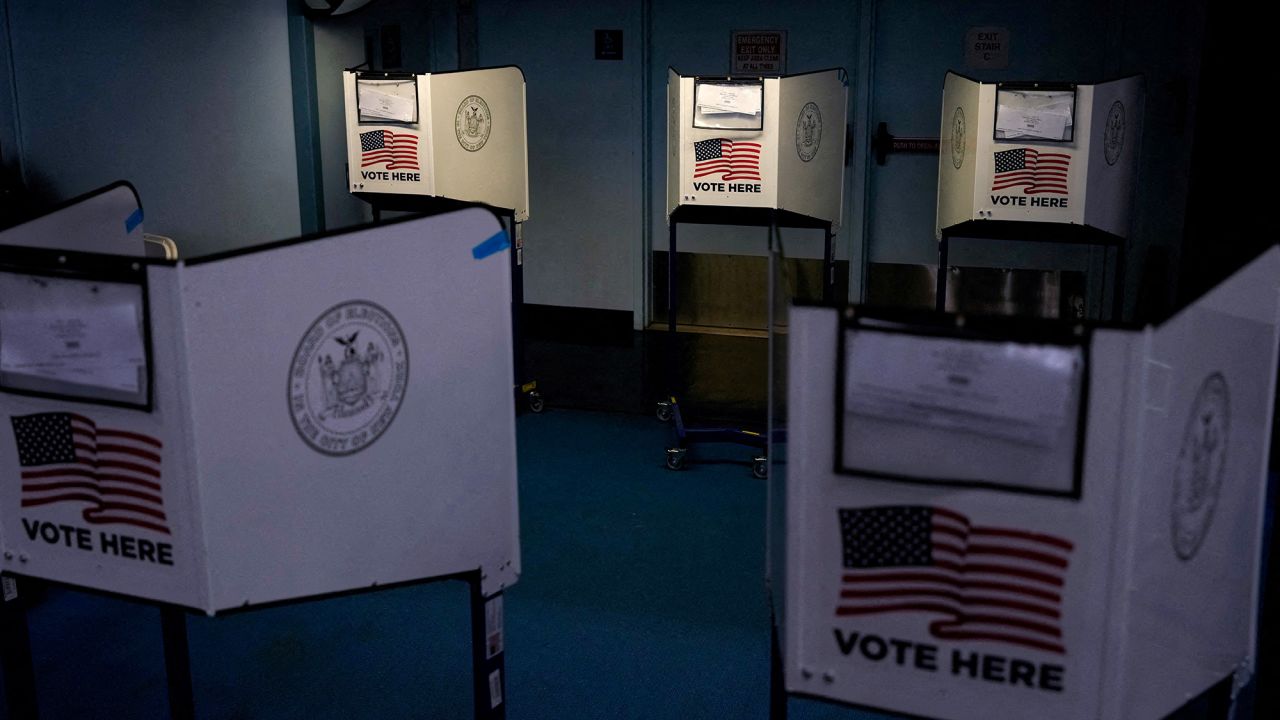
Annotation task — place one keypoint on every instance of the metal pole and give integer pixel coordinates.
(517, 300)
(672, 305)
(15, 652)
(1117, 310)
(828, 267)
(940, 302)
(777, 677)
(488, 657)
(177, 663)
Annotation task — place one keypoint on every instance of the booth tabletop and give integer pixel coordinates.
(726, 215)
(1037, 232)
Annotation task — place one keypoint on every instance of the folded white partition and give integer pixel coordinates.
(304, 418)
(457, 135)
(1038, 152)
(107, 220)
(1025, 518)
(771, 142)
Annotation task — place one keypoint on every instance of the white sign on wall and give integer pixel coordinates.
(987, 48)
(759, 52)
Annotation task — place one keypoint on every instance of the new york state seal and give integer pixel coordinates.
(472, 123)
(348, 378)
(1201, 465)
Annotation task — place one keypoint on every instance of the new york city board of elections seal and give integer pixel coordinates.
(1113, 133)
(808, 131)
(348, 378)
(472, 123)
(957, 137)
(1201, 464)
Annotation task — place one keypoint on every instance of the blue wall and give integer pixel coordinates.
(585, 118)
(10, 159)
(188, 101)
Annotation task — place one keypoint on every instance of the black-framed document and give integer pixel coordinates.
(77, 337)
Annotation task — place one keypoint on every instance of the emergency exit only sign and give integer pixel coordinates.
(759, 52)
(987, 48)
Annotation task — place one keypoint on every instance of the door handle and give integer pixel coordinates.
(882, 143)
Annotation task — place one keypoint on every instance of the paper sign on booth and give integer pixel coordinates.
(1045, 114)
(388, 100)
(1015, 392)
(949, 409)
(730, 98)
(1029, 123)
(73, 331)
(729, 106)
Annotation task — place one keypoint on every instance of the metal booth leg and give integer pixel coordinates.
(777, 680)
(488, 659)
(1117, 309)
(526, 388)
(671, 349)
(15, 652)
(671, 276)
(828, 267)
(177, 663)
(517, 298)
(673, 304)
(940, 302)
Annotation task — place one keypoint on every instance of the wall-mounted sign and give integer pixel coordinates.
(759, 52)
(608, 44)
(987, 48)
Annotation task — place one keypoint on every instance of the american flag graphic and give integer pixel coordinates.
(989, 583)
(399, 151)
(1037, 172)
(726, 158)
(67, 457)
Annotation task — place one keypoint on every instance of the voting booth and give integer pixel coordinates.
(106, 220)
(1037, 161)
(750, 151)
(457, 135)
(265, 425)
(761, 142)
(1040, 152)
(1001, 517)
(424, 142)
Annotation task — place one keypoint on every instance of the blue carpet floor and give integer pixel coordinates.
(642, 596)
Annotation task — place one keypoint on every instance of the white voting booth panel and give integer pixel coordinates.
(324, 415)
(774, 142)
(1117, 585)
(457, 135)
(1014, 152)
(108, 220)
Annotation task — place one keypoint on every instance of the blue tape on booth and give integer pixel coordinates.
(495, 244)
(133, 221)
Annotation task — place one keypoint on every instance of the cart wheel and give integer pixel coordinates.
(675, 458)
(664, 412)
(536, 402)
(760, 468)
